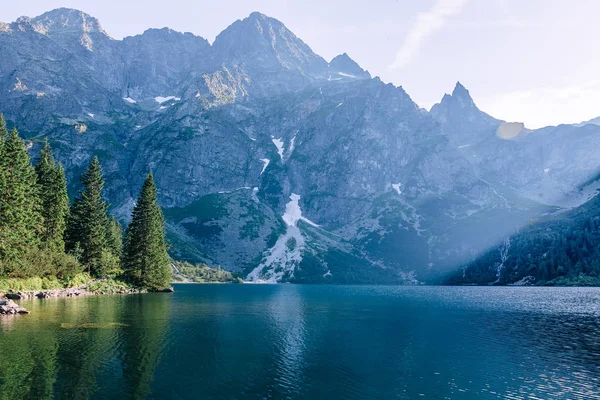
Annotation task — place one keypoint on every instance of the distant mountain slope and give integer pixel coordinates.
(233, 129)
(593, 121)
(559, 249)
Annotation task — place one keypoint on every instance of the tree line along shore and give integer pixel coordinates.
(49, 242)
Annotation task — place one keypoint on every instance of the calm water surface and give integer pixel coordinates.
(308, 342)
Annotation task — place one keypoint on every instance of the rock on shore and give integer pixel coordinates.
(9, 307)
(70, 292)
(100, 286)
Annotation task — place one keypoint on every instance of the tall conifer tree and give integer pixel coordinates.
(55, 201)
(145, 259)
(3, 163)
(114, 236)
(86, 229)
(21, 222)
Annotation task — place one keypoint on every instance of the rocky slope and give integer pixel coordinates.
(276, 163)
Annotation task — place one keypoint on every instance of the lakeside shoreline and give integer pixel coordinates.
(92, 288)
(8, 307)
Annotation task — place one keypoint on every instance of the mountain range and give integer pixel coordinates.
(277, 164)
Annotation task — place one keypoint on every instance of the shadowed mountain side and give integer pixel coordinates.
(244, 134)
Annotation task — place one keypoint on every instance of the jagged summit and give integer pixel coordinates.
(265, 42)
(345, 67)
(460, 97)
(344, 57)
(461, 120)
(66, 20)
(65, 25)
(458, 104)
(460, 90)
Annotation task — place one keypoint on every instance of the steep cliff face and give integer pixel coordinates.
(271, 161)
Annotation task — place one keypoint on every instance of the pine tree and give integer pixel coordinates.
(55, 201)
(21, 221)
(145, 259)
(114, 236)
(3, 163)
(86, 229)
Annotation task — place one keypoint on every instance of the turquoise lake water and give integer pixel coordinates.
(308, 342)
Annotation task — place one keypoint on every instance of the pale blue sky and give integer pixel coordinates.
(535, 61)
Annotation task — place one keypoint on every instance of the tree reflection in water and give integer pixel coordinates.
(69, 348)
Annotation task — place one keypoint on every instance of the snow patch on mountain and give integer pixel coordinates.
(293, 213)
(129, 100)
(266, 162)
(396, 187)
(161, 99)
(281, 260)
(279, 144)
(292, 144)
(292, 210)
(20, 86)
(347, 75)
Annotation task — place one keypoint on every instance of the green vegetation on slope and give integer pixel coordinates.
(560, 250)
(202, 273)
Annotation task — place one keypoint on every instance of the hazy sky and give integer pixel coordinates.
(534, 61)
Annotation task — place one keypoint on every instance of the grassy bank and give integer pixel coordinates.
(43, 283)
(82, 280)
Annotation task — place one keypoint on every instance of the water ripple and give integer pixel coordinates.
(309, 342)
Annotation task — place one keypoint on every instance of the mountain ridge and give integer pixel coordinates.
(398, 193)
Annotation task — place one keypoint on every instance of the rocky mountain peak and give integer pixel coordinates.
(259, 15)
(460, 92)
(64, 25)
(460, 99)
(460, 117)
(22, 24)
(66, 20)
(460, 96)
(343, 66)
(262, 41)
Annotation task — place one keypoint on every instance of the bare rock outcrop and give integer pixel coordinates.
(9, 307)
